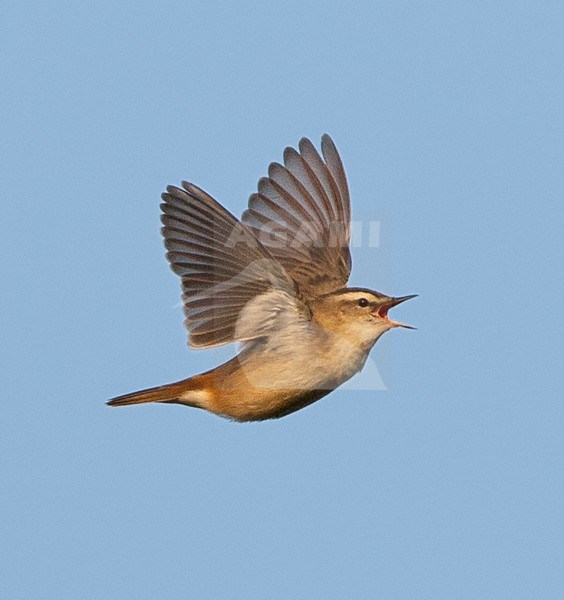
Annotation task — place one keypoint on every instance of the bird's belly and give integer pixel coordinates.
(257, 404)
(266, 387)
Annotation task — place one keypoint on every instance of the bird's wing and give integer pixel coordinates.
(301, 214)
(233, 288)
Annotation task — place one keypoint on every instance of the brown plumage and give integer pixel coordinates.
(275, 282)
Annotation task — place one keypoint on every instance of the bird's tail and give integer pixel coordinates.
(173, 392)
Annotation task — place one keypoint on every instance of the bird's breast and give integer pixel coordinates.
(311, 366)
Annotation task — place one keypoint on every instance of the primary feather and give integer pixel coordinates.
(301, 214)
(223, 269)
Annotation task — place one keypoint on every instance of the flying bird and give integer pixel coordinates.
(275, 282)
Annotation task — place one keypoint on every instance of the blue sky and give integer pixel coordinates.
(449, 120)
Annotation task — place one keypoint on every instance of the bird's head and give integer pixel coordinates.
(358, 315)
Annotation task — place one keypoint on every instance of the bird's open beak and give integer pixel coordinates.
(383, 310)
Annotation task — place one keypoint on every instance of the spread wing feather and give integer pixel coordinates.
(232, 286)
(301, 214)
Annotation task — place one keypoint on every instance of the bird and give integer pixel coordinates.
(275, 283)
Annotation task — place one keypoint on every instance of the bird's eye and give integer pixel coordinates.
(363, 303)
